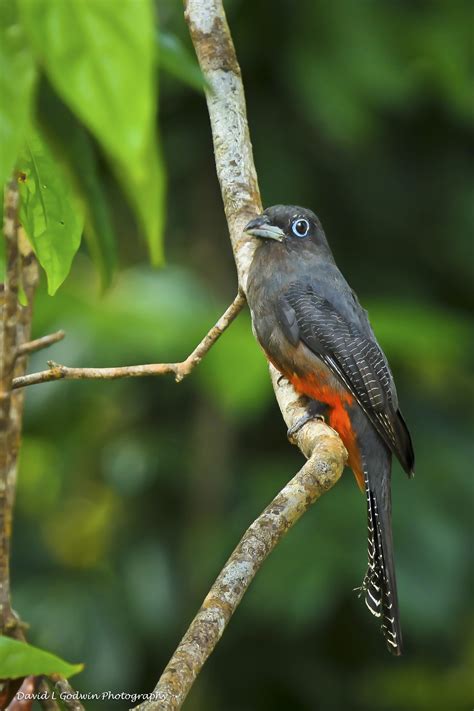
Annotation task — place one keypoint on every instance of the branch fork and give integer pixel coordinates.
(326, 455)
(180, 370)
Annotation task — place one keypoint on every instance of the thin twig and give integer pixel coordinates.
(33, 687)
(23, 697)
(180, 369)
(38, 344)
(66, 694)
(184, 368)
(46, 700)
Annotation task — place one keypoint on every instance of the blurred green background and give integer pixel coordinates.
(132, 494)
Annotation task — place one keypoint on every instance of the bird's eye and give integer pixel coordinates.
(300, 227)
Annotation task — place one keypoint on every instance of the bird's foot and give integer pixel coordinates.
(292, 431)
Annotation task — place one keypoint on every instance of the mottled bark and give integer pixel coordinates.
(15, 345)
(319, 443)
(318, 475)
(38, 344)
(9, 308)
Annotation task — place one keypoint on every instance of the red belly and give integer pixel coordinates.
(317, 387)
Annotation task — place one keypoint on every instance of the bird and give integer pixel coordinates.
(312, 328)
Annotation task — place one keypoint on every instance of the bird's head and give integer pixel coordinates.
(289, 224)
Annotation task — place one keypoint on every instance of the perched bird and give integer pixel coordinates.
(312, 328)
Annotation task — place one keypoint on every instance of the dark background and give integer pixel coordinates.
(132, 494)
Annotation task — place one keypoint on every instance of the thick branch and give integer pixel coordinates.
(318, 475)
(180, 370)
(321, 445)
(232, 146)
(230, 132)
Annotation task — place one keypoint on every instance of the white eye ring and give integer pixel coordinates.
(300, 227)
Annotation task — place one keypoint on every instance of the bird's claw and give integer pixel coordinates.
(292, 431)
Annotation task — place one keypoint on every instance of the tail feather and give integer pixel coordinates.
(405, 451)
(379, 584)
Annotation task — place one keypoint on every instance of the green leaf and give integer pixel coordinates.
(147, 198)
(71, 143)
(100, 56)
(48, 213)
(176, 60)
(17, 80)
(18, 659)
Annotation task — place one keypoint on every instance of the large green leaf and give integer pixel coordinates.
(49, 214)
(18, 659)
(72, 144)
(146, 196)
(100, 57)
(17, 79)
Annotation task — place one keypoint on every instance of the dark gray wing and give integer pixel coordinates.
(354, 356)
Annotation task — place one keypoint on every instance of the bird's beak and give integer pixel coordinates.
(261, 227)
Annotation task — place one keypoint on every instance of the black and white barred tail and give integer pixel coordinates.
(379, 585)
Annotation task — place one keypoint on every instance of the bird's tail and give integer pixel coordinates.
(379, 585)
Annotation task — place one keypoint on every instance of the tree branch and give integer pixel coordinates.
(319, 443)
(8, 331)
(316, 477)
(180, 370)
(66, 694)
(15, 330)
(39, 343)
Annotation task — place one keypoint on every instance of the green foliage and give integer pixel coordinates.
(369, 57)
(245, 393)
(51, 220)
(72, 145)
(440, 342)
(18, 659)
(100, 57)
(97, 61)
(17, 80)
(174, 59)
